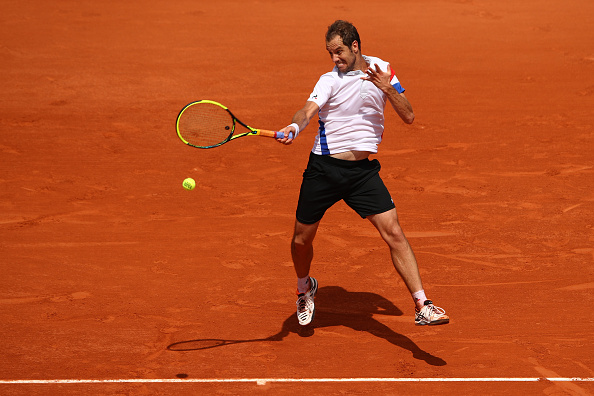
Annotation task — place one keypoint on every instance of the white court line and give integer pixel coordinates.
(263, 381)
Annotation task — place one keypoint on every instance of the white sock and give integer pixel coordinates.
(419, 297)
(303, 284)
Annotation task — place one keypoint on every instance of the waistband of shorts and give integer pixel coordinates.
(338, 162)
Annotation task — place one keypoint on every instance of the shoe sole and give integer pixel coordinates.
(313, 314)
(434, 323)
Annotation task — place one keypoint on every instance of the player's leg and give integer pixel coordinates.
(402, 254)
(302, 247)
(406, 265)
(302, 254)
(370, 198)
(318, 193)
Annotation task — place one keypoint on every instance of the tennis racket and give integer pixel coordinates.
(208, 124)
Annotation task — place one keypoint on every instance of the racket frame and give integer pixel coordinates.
(251, 131)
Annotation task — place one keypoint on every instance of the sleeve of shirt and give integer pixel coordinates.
(395, 83)
(323, 90)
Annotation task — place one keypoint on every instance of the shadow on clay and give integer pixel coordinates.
(335, 306)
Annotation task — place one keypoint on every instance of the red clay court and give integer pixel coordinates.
(112, 273)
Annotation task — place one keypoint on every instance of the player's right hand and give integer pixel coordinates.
(286, 130)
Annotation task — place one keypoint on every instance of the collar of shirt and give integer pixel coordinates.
(354, 73)
(358, 72)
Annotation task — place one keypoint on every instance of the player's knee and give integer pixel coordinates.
(299, 243)
(300, 249)
(303, 236)
(394, 236)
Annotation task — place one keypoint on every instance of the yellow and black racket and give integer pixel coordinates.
(208, 124)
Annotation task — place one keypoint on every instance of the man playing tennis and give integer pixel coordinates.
(350, 103)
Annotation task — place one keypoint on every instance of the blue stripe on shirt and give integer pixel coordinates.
(323, 141)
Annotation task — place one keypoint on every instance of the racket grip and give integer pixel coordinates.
(280, 135)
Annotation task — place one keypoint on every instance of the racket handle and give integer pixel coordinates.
(280, 135)
(274, 134)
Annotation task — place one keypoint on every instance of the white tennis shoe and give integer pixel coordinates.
(431, 315)
(305, 303)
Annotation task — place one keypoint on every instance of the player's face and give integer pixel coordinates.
(343, 57)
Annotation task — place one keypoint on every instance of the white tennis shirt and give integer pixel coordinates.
(351, 114)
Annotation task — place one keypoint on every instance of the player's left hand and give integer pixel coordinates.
(378, 77)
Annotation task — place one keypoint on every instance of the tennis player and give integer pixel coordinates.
(350, 103)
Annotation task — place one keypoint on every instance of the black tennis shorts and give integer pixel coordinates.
(327, 180)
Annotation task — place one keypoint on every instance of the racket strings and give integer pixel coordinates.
(205, 125)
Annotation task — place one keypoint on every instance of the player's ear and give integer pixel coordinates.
(355, 47)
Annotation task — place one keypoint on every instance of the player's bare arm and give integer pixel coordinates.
(399, 102)
(302, 118)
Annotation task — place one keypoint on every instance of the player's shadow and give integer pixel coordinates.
(336, 306)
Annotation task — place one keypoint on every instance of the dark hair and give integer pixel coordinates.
(346, 31)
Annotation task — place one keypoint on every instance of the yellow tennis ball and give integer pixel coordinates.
(189, 184)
